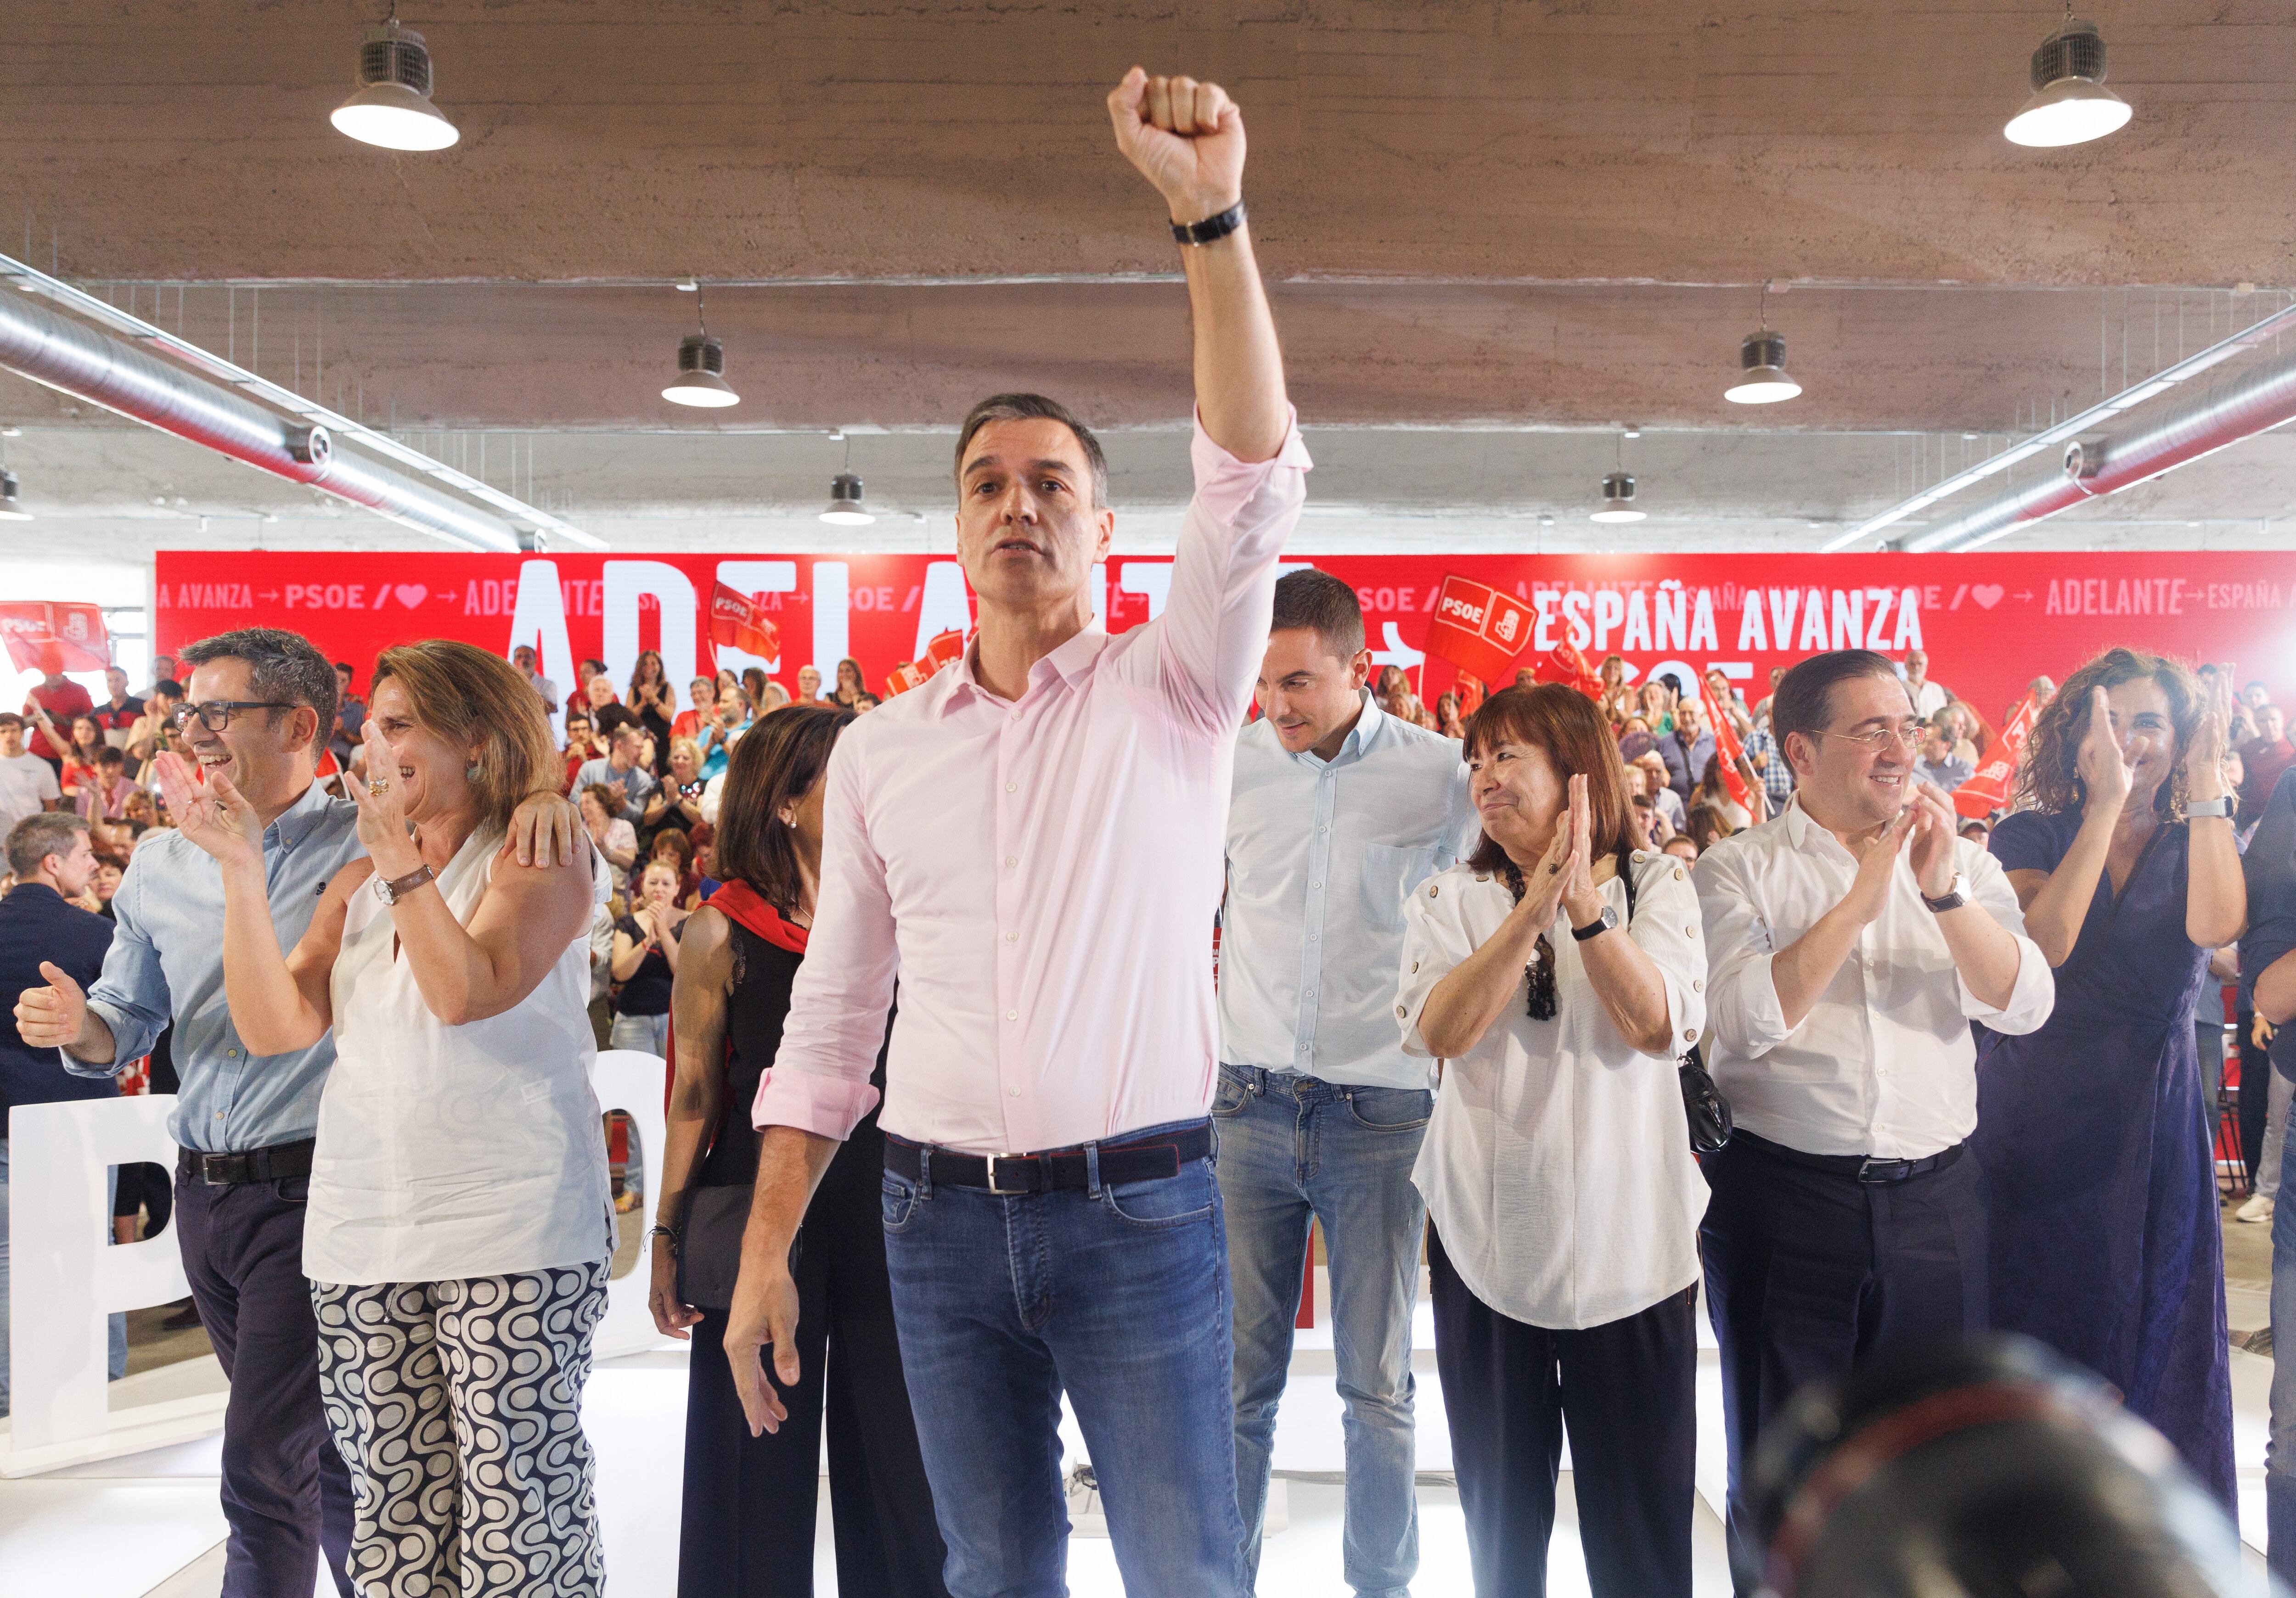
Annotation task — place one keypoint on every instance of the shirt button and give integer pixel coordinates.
(1315, 884)
(1689, 1037)
(1012, 938)
(1015, 787)
(1323, 829)
(1011, 1015)
(1690, 930)
(1313, 936)
(233, 1053)
(1697, 984)
(1415, 967)
(1401, 1012)
(1012, 1093)
(1011, 861)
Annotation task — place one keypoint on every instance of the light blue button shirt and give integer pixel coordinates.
(167, 960)
(1321, 855)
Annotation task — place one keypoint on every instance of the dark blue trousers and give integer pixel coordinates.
(1809, 1273)
(286, 1492)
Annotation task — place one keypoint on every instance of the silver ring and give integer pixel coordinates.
(378, 787)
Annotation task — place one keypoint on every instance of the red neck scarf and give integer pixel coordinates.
(739, 902)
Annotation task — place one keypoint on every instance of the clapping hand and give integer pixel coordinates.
(2204, 757)
(1936, 837)
(2101, 765)
(1877, 860)
(382, 801)
(216, 816)
(1547, 883)
(1580, 899)
(1187, 139)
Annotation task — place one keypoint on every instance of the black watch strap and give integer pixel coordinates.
(1211, 227)
(1594, 929)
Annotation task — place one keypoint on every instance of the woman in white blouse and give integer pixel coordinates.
(1562, 1199)
(460, 1228)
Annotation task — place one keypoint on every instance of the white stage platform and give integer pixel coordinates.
(147, 1525)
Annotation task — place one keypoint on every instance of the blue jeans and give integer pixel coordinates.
(1120, 1295)
(116, 1362)
(2279, 1446)
(1293, 1148)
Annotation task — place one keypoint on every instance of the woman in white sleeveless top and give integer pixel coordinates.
(460, 1223)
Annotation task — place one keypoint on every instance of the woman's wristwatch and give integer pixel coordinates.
(2219, 807)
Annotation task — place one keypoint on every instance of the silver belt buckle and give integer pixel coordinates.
(1006, 1192)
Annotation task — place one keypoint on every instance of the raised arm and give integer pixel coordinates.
(2216, 895)
(2055, 903)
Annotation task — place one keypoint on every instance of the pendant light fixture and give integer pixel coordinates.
(1762, 377)
(1618, 494)
(392, 108)
(846, 507)
(2071, 104)
(701, 379)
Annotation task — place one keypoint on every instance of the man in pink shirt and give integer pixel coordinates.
(1032, 842)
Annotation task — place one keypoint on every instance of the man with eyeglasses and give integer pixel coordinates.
(260, 704)
(1851, 942)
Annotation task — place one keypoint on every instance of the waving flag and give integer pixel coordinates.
(946, 650)
(1478, 629)
(40, 636)
(1996, 772)
(1730, 747)
(738, 621)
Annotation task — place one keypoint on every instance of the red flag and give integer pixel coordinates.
(1470, 690)
(1478, 629)
(40, 636)
(1989, 789)
(1565, 665)
(738, 621)
(1729, 746)
(945, 650)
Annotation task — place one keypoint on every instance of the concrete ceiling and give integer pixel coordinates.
(1495, 232)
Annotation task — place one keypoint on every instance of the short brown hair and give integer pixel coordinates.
(1565, 723)
(1035, 407)
(2048, 777)
(777, 761)
(37, 836)
(470, 695)
(1323, 604)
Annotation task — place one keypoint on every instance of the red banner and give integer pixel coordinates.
(40, 636)
(1996, 770)
(1990, 622)
(1565, 665)
(945, 650)
(1730, 747)
(1478, 629)
(737, 621)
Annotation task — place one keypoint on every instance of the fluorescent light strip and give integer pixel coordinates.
(35, 281)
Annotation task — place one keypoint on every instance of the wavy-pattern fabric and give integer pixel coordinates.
(457, 1405)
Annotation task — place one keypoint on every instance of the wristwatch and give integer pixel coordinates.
(1594, 929)
(2220, 807)
(397, 887)
(1952, 898)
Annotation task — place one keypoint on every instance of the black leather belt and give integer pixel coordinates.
(1861, 1168)
(257, 1165)
(1141, 1159)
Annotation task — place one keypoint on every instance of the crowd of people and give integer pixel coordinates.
(957, 1125)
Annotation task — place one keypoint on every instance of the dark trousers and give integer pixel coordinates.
(286, 1492)
(1809, 1273)
(1626, 1392)
(2255, 1095)
(746, 1530)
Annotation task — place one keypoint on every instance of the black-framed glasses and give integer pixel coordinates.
(217, 713)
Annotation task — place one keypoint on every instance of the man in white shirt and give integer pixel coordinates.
(1851, 941)
(808, 685)
(522, 657)
(1929, 698)
(1031, 842)
(28, 784)
(1339, 810)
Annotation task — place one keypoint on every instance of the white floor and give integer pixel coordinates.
(148, 1526)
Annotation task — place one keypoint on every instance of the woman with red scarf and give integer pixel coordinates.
(750, 1503)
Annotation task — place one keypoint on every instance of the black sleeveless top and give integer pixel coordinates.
(755, 1010)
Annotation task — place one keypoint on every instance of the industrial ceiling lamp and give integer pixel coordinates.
(2071, 104)
(701, 379)
(1618, 494)
(392, 107)
(1762, 377)
(846, 507)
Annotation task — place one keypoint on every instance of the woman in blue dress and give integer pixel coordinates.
(2092, 1132)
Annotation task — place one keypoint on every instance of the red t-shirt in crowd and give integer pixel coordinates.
(63, 701)
(2261, 764)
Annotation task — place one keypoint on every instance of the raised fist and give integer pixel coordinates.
(1187, 139)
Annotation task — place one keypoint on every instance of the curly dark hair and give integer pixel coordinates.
(2048, 777)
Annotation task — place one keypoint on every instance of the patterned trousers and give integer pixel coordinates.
(457, 1406)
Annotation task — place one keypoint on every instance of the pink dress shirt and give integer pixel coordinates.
(1041, 874)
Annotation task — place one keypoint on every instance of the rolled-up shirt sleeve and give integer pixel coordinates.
(1433, 946)
(2034, 994)
(1666, 927)
(1741, 993)
(131, 996)
(819, 1077)
(1213, 631)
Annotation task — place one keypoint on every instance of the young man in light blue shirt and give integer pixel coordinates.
(1339, 810)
